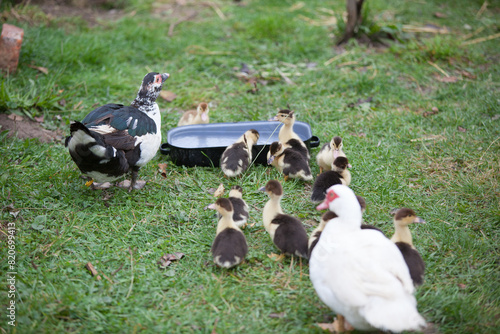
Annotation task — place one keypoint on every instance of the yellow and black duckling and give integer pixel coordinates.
(237, 157)
(329, 152)
(287, 232)
(403, 239)
(338, 175)
(288, 161)
(240, 207)
(286, 134)
(198, 116)
(230, 246)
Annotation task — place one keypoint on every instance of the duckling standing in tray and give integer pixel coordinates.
(237, 157)
(286, 134)
(240, 207)
(198, 116)
(230, 246)
(288, 161)
(338, 175)
(287, 232)
(402, 238)
(329, 152)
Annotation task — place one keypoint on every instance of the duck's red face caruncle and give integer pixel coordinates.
(330, 197)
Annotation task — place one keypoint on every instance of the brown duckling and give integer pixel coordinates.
(237, 157)
(229, 247)
(198, 116)
(338, 175)
(329, 152)
(287, 117)
(287, 232)
(288, 161)
(403, 239)
(240, 207)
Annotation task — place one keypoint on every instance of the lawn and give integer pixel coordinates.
(419, 115)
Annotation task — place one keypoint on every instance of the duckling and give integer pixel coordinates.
(287, 232)
(338, 175)
(230, 246)
(198, 116)
(359, 273)
(288, 161)
(329, 152)
(403, 239)
(240, 207)
(237, 157)
(287, 117)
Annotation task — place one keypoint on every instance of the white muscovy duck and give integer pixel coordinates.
(359, 273)
(114, 139)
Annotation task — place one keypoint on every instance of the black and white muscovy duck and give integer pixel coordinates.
(114, 139)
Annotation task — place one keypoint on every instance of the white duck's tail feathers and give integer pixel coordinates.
(395, 316)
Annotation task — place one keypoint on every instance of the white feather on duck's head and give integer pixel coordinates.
(342, 200)
(405, 216)
(273, 188)
(150, 89)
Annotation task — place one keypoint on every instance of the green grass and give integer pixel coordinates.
(400, 158)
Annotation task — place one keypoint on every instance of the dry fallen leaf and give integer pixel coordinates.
(461, 129)
(167, 259)
(92, 270)
(162, 169)
(15, 118)
(219, 191)
(277, 315)
(462, 286)
(12, 210)
(446, 79)
(168, 95)
(44, 70)
(39, 119)
(434, 110)
(440, 15)
(467, 74)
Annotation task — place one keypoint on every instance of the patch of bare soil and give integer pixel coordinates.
(22, 128)
(90, 11)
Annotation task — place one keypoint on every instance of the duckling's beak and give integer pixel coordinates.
(164, 77)
(262, 188)
(204, 116)
(275, 118)
(270, 160)
(419, 220)
(211, 206)
(335, 153)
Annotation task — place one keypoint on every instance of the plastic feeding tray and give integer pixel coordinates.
(203, 144)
